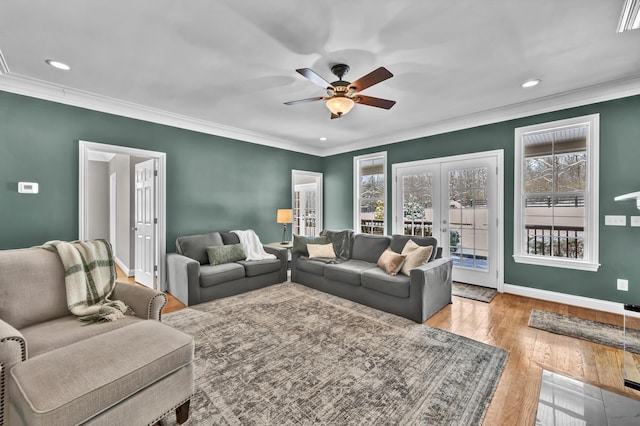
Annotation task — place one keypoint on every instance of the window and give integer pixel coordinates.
(556, 194)
(370, 193)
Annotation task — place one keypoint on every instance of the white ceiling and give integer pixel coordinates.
(226, 67)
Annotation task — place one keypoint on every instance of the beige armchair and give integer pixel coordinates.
(57, 370)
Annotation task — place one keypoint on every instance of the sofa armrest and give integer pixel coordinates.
(432, 281)
(145, 302)
(183, 278)
(283, 255)
(13, 347)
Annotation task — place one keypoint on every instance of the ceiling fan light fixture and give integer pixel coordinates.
(340, 105)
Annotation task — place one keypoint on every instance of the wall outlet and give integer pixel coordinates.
(623, 285)
(615, 220)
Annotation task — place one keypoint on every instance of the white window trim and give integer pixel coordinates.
(590, 262)
(356, 189)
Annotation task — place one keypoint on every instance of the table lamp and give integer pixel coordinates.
(284, 216)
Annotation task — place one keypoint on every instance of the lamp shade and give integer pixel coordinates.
(340, 105)
(284, 216)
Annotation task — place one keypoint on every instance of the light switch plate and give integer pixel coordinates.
(615, 220)
(623, 285)
(635, 220)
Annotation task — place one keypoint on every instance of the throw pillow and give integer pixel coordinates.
(390, 261)
(321, 250)
(415, 256)
(225, 254)
(300, 243)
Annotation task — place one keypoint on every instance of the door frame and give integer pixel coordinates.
(85, 147)
(499, 156)
(319, 177)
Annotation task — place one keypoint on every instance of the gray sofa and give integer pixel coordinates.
(192, 280)
(56, 370)
(357, 277)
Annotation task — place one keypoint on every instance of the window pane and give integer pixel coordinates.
(417, 204)
(371, 205)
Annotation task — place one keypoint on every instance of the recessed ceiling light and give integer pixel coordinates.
(59, 65)
(323, 138)
(531, 83)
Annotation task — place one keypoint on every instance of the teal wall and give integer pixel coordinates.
(213, 183)
(619, 174)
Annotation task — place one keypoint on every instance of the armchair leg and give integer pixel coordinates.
(182, 412)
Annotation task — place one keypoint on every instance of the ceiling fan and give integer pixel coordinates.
(343, 95)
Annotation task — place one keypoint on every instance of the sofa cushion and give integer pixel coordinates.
(225, 254)
(218, 274)
(71, 384)
(415, 256)
(22, 275)
(341, 241)
(230, 238)
(300, 243)
(390, 261)
(49, 335)
(253, 268)
(309, 265)
(324, 251)
(378, 280)
(347, 272)
(195, 246)
(399, 241)
(369, 247)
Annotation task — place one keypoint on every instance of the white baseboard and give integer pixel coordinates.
(567, 299)
(124, 267)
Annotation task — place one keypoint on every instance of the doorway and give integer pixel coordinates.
(121, 194)
(459, 201)
(306, 202)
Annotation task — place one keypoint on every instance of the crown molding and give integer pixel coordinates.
(43, 90)
(4, 68)
(593, 94)
(13, 83)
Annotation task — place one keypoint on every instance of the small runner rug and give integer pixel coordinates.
(474, 292)
(592, 331)
(289, 355)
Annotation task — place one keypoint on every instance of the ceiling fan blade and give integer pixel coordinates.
(376, 102)
(374, 77)
(314, 77)
(303, 101)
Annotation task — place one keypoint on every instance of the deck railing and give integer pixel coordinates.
(544, 240)
(562, 241)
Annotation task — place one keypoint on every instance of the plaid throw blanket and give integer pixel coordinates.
(90, 277)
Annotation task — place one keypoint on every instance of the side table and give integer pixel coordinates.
(288, 245)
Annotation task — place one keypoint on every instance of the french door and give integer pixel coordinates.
(456, 200)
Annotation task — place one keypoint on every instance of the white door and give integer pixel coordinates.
(307, 203)
(455, 200)
(468, 220)
(145, 223)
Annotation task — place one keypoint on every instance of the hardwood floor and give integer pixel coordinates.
(172, 305)
(504, 323)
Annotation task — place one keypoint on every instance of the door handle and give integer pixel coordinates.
(134, 229)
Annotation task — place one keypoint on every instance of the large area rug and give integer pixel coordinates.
(592, 331)
(475, 292)
(287, 354)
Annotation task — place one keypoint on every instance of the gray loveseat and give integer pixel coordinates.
(56, 370)
(357, 277)
(192, 279)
